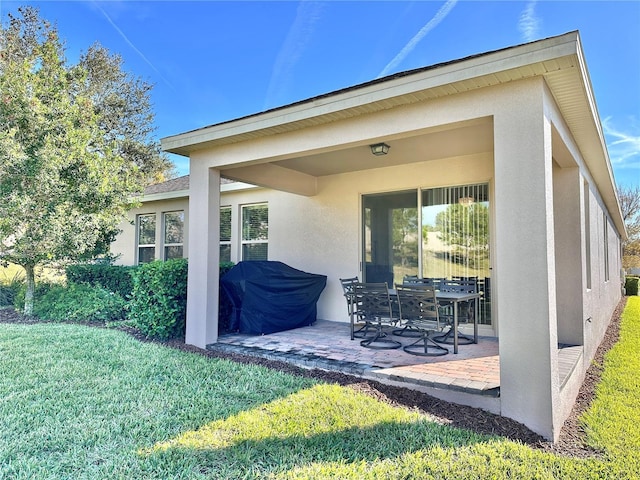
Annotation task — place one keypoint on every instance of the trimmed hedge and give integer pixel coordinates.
(631, 285)
(158, 303)
(115, 278)
(79, 303)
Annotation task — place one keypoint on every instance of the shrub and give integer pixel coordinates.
(41, 289)
(631, 285)
(159, 300)
(8, 294)
(115, 278)
(165, 318)
(9, 289)
(79, 303)
(225, 307)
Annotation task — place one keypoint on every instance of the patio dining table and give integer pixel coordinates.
(456, 298)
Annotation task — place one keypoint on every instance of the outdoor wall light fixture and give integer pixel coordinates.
(379, 149)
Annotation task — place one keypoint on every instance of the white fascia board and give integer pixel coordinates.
(227, 187)
(154, 197)
(236, 186)
(606, 181)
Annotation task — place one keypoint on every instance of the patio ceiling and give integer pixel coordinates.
(444, 142)
(454, 141)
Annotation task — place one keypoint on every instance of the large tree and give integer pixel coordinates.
(630, 206)
(74, 148)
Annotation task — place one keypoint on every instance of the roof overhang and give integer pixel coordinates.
(559, 60)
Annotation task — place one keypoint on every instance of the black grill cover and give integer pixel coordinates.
(270, 296)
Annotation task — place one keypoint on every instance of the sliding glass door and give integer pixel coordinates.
(391, 236)
(429, 233)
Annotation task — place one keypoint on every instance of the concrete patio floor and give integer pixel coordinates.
(470, 377)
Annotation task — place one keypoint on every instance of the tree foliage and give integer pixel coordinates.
(629, 197)
(123, 111)
(466, 229)
(70, 155)
(464, 226)
(405, 236)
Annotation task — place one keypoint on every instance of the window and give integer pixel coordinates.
(225, 234)
(146, 233)
(255, 232)
(173, 234)
(606, 247)
(587, 234)
(455, 230)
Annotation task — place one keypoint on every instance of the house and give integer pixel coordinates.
(380, 179)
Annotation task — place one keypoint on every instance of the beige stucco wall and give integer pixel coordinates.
(322, 234)
(125, 246)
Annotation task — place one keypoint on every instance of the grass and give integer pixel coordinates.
(87, 403)
(13, 272)
(613, 419)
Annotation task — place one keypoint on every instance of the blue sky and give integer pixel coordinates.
(214, 61)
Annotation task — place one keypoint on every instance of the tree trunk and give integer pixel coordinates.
(31, 287)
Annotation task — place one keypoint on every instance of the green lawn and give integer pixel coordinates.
(86, 403)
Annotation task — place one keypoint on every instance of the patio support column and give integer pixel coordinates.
(524, 264)
(204, 256)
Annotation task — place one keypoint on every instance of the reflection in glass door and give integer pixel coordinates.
(391, 236)
(455, 238)
(431, 233)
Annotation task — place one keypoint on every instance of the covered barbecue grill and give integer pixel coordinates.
(270, 296)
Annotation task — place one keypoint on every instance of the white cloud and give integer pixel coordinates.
(408, 48)
(300, 33)
(529, 22)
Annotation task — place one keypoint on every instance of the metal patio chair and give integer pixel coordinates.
(352, 309)
(419, 309)
(434, 282)
(374, 306)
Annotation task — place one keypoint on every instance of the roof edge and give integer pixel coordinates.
(398, 84)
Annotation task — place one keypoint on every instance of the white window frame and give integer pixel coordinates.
(244, 242)
(227, 242)
(587, 233)
(607, 271)
(153, 245)
(166, 244)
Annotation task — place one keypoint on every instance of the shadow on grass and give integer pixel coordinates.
(322, 424)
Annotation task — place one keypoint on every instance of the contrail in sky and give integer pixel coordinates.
(130, 43)
(624, 147)
(300, 33)
(529, 22)
(431, 24)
